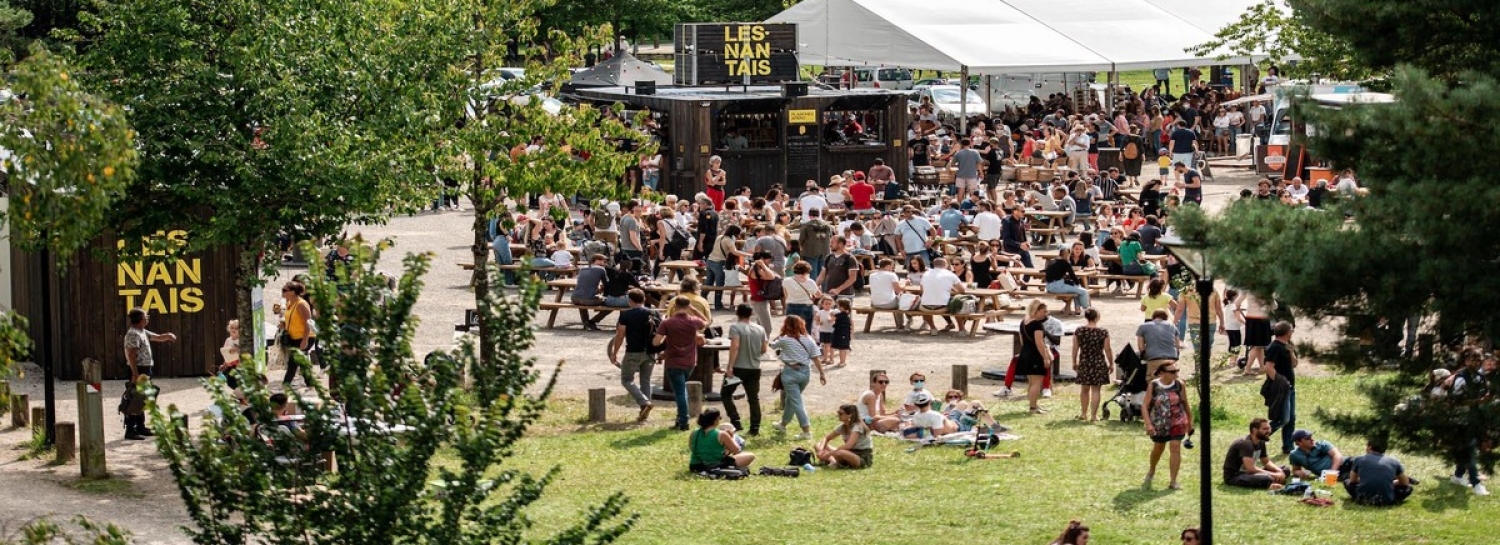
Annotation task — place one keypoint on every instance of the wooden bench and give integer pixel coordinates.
(975, 320)
(552, 307)
(1140, 282)
(733, 291)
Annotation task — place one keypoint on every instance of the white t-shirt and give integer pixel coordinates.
(825, 320)
(812, 201)
(1299, 193)
(562, 258)
(1231, 318)
(988, 225)
(929, 419)
(937, 286)
(911, 398)
(799, 293)
(1257, 113)
(883, 288)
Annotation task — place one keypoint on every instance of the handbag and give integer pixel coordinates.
(770, 290)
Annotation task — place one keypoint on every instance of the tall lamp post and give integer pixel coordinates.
(1193, 254)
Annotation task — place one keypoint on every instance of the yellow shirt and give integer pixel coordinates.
(1164, 161)
(1152, 304)
(296, 319)
(700, 305)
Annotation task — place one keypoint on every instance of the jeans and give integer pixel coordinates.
(1470, 465)
(793, 381)
(1059, 286)
(1286, 426)
(716, 278)
(504, 257)
(677, 380)
(804, 311)
(751, 381)
(637, 364)
(762, 314)
(817, 265)
(650, 178)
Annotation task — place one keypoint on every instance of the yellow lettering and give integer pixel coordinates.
(731, 50)
(757, 33)
(130, 296)
(130, 270)
(154, 303)
(189, 272)
(733, 66)
(727, 37)
(762, 68)
(762, 50)
(192, 300)
(159, 274)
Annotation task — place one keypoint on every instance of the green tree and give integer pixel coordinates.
(736, 10)
(419, 454)
(633, 19)
(1273, 30)
(12, 20)
(1417, 244)
(258, 119)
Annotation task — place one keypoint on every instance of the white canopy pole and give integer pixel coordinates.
(963, 101)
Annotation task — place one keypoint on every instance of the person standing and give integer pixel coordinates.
(916, 234)
(1283, 363)
(883, 178)
(296, 329)
(680, 336)
(142, 362)
(1013, 237)
(813, 240)
(1192, 183)
(799, 353)
(1077, 148)
(1035, 359)
(714, 180)
(800, 292)
(1190, 306)
(631, 237)
(840, 271)
(707, 227)
(1158, 341)
(634, 333)
(966, 180)
(1184, 144)
(1257, 319)
(723, 260)
(747, 344)
(762, 272)
(1169, 418)
(1091, 360)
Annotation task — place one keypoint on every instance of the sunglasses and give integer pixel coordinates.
(1169, 370)
(882, 382)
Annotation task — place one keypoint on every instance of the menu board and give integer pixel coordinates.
(803, 148)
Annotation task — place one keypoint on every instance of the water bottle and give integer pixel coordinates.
(809, 468)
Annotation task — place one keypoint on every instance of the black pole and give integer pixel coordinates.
(43, 350)
(1205, 416)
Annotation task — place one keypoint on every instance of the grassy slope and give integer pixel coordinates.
(1068, 470)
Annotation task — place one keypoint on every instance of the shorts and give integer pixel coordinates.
(726, 462)
(1166, 438)
(1257, 332)
(825, 337)
(1163, 171)
(866, 456)
(965, 185)
(991, 180)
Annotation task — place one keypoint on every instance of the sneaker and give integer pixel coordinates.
(1459, 481)
(802, 436)
(1047, 393)
(1480, 490)
(1003, 392)
(780, 429)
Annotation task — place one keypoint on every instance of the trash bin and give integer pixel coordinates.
(1244, 144)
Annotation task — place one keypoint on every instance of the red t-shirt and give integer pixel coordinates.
(681, 345)
(861, 192)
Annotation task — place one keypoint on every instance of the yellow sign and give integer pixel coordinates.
(747, 50)
(802, 117)
(162, 287)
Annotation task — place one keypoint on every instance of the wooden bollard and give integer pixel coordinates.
(4, 396)
(20, 410)
(961, 379)
(695, 397)
(91, 421)
(596, 405)
(67, 442)
(38, 418)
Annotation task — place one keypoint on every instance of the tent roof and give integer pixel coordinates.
(621, 69)
(1008, 36)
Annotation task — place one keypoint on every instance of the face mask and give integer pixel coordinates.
(919, 384)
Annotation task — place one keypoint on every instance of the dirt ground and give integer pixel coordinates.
(143, 498)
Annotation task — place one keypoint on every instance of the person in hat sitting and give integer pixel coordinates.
(1310, 457)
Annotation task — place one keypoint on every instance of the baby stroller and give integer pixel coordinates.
(1131, 395)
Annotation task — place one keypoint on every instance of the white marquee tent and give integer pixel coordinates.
(1009, 36)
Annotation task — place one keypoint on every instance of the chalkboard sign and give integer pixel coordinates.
(803, 148)
(735, 53)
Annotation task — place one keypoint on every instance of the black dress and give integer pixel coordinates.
(982, 272)
(1031, 362)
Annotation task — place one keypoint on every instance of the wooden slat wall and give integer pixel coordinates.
(89, 312)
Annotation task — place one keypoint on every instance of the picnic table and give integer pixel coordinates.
(684, 268)
(1132, 196)
(703, 372)
(1052, 229)
(1013, 329)
(563, 285)
(990, 296)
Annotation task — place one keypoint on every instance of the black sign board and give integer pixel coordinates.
(736, 53)
(802, 147)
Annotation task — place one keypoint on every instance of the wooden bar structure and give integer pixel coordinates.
(767, 134)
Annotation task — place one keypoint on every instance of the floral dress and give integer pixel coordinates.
(1167, 413)
(1093, 370)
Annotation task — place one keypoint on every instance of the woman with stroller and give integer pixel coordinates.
(1169, 418)
(1091, 359)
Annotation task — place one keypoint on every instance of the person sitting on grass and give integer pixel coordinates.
(857, 450)
(710, 449)
(871, 406)
(927, 425)
(1075, 534)
(1247, 464)
(969, 415)
(1376, 479)
(1310, 457)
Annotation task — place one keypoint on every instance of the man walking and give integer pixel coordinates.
(747, 343)
(680, 336)
(840, 271)
(1192, 183)
(1184, 145)
(1283, 363)
(139, 357)
(634, 334)
(813, 240)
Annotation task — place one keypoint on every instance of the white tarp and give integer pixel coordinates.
(1007, 36)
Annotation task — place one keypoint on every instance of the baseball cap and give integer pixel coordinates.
(922, 398)
(1440, 373)
(1300, 435)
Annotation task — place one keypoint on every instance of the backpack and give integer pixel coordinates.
(1131, 151)
(656, 319)
(800, 457)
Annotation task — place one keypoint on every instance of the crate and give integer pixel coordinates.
(1046, 174)
(947, 175)
(1026, 174)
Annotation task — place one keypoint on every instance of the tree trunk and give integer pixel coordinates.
(483, 198)
(246, 275)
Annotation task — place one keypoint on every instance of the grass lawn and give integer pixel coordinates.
(1067, 470)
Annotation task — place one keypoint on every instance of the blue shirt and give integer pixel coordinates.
(1377, 476)
(950, 221)
(1317, 461)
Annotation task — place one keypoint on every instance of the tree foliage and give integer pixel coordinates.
(419, 455)
(1272, 30)
(1417, 245)
(12, 20)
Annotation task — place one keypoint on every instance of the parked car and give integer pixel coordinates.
(898, 79)
(946, 99)
(933, 82)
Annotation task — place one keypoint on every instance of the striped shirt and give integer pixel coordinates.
(797, 350)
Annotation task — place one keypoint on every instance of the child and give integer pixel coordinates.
(729, 429)
(1232, 325)
(824, 320)
(1163, 163)
(843, 330)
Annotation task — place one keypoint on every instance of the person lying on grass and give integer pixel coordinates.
(857, 451)
(968, 415)
(927, 424)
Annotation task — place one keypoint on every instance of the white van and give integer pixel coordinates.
(896, 79)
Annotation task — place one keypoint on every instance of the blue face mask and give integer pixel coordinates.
(919, 384)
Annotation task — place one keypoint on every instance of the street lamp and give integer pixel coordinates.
(1193, 254)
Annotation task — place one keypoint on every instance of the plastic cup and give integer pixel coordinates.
(1330, 477)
